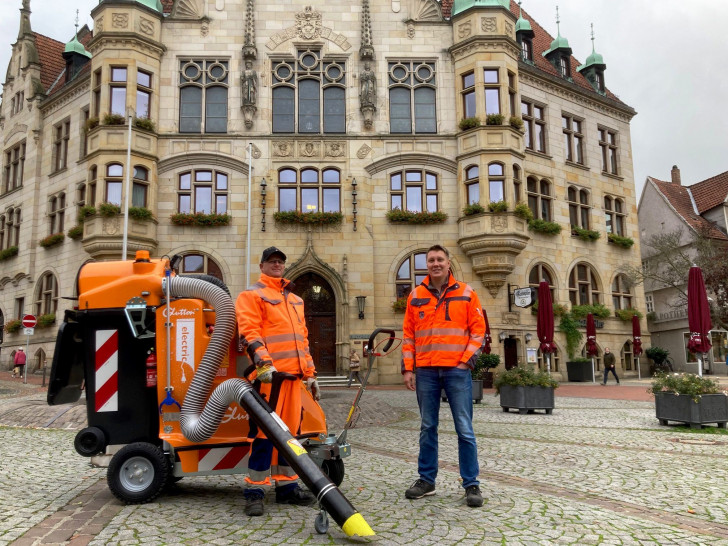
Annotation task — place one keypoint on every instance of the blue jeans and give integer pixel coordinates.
(458, 388)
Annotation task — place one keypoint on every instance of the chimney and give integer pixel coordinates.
(675, 175)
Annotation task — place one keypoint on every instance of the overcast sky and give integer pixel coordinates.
(664, 58)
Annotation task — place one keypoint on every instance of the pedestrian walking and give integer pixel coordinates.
(609, 365)
(354, 365)
(273, 329)
(443, 332)
(19, 362)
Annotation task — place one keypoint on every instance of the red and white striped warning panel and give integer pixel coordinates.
(107, 370)
(222, 458)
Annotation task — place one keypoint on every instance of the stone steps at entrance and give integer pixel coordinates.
(334, 380)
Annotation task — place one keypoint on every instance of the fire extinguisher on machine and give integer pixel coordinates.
(152, 369)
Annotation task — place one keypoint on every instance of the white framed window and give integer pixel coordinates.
(414, 190)
(203, 191)
(309, 190)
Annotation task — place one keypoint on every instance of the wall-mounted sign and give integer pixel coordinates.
(524, 297)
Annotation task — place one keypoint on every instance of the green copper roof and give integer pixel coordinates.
(459, 6)
(593, 59)
(74, 46)
(523, 24)
(154, 4)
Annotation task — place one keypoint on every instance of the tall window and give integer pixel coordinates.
(539, 198)
(413, 190)
(203, 191)
(630, 361)
(512, 104)
(139, 187)
(554, 361)
(492, 90)
(472, 184)
(583, 285)
(46, 295)
(496, 182)
(614, 215)
(19, 307)
(84, 136)
(412, 97)
(608, 145)
(96, 94)
(540, 272)
(469, 95)
(516, 184)
(56, 213)
(621, 293)
(535, 125)
(81, 194)
(16, 104)
(194, 263)
(309, 190)
(10, 228)
(203, 88)
(92, 178)
(113, 183)
(144, 93)
(578, 207)
(118, 90)
(14, 163)
(565, 66)
(527, 50)
(309, 92)
(649, 303)
(573, 138)
(61, 135)
(411, 272)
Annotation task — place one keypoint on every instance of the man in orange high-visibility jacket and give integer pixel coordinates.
(443, 331)
(273, 330)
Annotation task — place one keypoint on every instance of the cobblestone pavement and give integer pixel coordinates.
(596, 471)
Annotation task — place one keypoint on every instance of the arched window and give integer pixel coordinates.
(583, 285)
(200, 264)
(621, 292)
(614, 212)
(114, 174)
(413, 190)
(46, 295)
(516, 184)
(539, 198)
(540, 272)
(140, 187)
(496, 182)
(412, 97)
(309, 190)
(203, 88)
(629, 361)
(411, 272)
(578, 207)
(472, 184)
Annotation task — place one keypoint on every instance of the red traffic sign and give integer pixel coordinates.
(29, 321)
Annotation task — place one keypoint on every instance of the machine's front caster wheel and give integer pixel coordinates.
(138, 472)
(334, 469)
(321, 524)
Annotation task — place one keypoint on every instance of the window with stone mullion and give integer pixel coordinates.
(412, 100)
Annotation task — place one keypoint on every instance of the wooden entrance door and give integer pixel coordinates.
(320, 311)
(510, 352)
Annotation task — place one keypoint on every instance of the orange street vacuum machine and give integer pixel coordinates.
(159, 358)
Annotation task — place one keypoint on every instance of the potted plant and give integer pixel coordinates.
(494, 119)
(498, 206)
(473, 208)
(690, 399)
(524, 390)
(522, 211)
(469, 123)
(658, 355)
(483, 366)
(399, 305)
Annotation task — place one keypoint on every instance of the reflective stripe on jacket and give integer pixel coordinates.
(444, 331)
(273, 328)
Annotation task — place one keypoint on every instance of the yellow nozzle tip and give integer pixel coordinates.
(356, 525)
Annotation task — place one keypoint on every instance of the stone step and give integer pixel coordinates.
(333, 380)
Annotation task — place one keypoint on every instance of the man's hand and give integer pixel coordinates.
(313, 386)
(265, 373)
(409, 380)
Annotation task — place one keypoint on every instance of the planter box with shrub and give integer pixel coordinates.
(579, 370)
(524, 390)
(710, 408)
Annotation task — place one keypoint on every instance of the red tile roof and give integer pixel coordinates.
(679, 198)
(711, 192)
(51, 61)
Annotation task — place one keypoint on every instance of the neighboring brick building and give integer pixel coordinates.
(696, 209)
(353, 113)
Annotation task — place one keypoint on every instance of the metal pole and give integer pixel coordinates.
(594, 378)
(700, 364)
(250, 213)
(639, 372)
(25, 368)
(126, 204)
(548, 363)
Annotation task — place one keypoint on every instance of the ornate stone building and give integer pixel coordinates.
(352, 138)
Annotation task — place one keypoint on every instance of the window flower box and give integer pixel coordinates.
(399, 305)
(109, 209)
(200, 219)
(114, 119)
(624, 242)
(599, 310)
(76, 232)
(542, 226)
(91, 123)
(473, 208)
(46, 320)
(523, 212)
(494, 119)
(140, 213)
(524, 390)
(397, 216)
(313, 218)
(144, 123)
(498, 206)
(469, 123)
(13, 326)
(84, 212)
(52, 240)
(8, 253)
(626, 315)
(516, 123)
(585, 234)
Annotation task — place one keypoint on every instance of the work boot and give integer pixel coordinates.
(295, 495)
(254, 506)
(420, 489)
(473, 496)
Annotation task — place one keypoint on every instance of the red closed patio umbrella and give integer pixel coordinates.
(591, 341)
(545, 323)
(637, 342)
(488, 340)
(698, 316)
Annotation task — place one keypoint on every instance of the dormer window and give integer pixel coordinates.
(564, 67)
(599, 81)
(527, 50)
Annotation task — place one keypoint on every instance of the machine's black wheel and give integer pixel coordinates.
(138, 472)
(321, 523)
(90, 441)
(334, 469)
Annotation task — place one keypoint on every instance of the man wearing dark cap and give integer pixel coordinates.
(273, 330)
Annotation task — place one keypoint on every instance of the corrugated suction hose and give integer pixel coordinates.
(200, 417)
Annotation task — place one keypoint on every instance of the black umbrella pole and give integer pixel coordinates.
(328, 495)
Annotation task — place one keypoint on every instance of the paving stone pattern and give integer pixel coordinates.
(596, 471)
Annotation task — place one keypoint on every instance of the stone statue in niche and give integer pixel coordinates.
(368, 94)
(249, 81)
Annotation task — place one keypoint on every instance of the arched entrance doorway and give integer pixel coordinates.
(320, 308)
